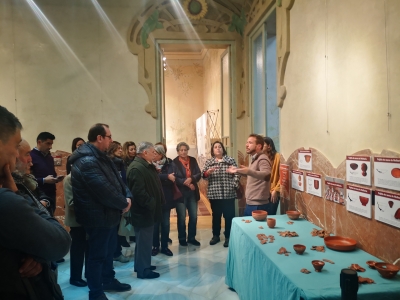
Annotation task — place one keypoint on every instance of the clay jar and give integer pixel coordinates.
(318, 265)
(299, 248)
(271, 222)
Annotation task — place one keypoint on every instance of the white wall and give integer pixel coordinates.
(340, 105)
(76, 73)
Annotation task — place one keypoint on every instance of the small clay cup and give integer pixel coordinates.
(318, 265)
(271, 222)
(299, 248)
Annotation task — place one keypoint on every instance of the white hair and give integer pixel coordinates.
(144, 146)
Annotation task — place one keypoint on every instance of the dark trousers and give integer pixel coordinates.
(165, 227)
(118, 243)
(144, 237)
(189, 203)
(221, 207)
(99, 266)
(77, 252)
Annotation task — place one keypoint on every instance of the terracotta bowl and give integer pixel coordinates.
(371, 263)
(299, 248)
(318, 265)
(364, 200)
(340, 243)
(259, 215)
(293, 214)
(271, 222)
(387, 270)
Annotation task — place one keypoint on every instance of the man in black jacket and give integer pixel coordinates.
(100, 197)
(29, 238)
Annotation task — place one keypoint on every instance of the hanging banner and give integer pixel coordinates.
(305, 159)
(334, 190)
(358, 169)
(297, 180)
(359, 200)
(387, 172)
(313, 186)
(387, 208)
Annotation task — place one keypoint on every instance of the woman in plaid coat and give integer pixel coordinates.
(222, 188)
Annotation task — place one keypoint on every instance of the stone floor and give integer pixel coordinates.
(192, 273)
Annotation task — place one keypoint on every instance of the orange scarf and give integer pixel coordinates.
(186, 165)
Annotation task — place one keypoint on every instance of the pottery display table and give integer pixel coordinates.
(255, 271)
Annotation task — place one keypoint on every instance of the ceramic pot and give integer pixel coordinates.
(271, 222)
(259, 215)
(387, 270)
(299, 248)
(293, 214)
(371, 264)
(318, 265)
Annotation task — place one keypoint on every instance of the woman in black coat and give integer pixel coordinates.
(166, 174)
(187, 174)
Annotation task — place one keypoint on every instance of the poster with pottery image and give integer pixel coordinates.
(297, 180)
(335, 190)
(358, 169)
(387, 172)
(359, 200)
(305, 160)
(387, 208)
(313, 185)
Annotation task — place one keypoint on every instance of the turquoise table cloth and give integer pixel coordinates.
(256, 271)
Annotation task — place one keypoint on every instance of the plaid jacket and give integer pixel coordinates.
(221, 185)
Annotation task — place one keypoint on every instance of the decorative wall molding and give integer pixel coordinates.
(283, 8)
(166, 20)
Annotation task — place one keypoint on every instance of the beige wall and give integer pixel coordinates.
(339, 105)
(65, 86)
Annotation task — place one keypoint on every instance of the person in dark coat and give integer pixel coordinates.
(29, 238)
(146, 207)
(43, 167)
(187, 174)
(166, 174)
(100, 197)
(76, 143)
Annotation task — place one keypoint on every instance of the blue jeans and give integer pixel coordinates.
(165, 226)
(101, 242)
(225, 207)
(249, 208)
(189, 203)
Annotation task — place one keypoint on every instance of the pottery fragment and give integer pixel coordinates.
(305, 271)
(357, 267)
(365, 280)
(329, 261)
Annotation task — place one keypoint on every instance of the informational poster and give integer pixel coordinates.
(284, 180)
(358, 169)
(314, 186)
(305, 159)
(387, 172)
(359, 200)
(387, 208)
(334, 190)
(297, 180)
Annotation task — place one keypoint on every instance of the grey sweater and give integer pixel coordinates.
(258, 181)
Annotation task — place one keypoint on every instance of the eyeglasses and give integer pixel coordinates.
(109, 136)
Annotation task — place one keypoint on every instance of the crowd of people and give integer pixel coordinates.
(114, 194)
